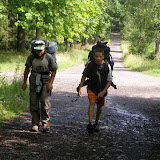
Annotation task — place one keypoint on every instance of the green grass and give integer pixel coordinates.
(72, 58)
(140, 63)
(13, 101)
(11, 61)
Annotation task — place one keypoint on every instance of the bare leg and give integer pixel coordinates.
(90, 116)
(91, 111)
(98, 113)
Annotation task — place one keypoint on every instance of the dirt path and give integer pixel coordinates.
(129, 123)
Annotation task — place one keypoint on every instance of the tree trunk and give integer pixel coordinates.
(66, 44)
(83, 41)
(7, 46)
(157, 40)
(157, 45)
(71, 45)
(38, 33)
(20, 39)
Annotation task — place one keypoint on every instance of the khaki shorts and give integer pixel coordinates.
(92, 97)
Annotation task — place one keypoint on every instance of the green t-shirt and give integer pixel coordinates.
(41, 64)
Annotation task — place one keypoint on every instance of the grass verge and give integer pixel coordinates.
(13, 101)
(140, 63)
(11, 61)
(71, 58)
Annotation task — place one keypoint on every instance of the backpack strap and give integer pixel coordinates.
(48, 58)
(106, 63)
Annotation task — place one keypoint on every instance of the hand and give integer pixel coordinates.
(50, 86)
(24, 86)
(80, 92)
(101, 94)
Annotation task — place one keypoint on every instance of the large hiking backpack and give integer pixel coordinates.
(107, 55)
(50, 47)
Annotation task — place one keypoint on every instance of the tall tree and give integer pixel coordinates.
(14, 7)
(20, 37)
(140, 24)
(59, 20)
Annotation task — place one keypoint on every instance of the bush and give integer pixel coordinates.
(13, 100)
(140, 63)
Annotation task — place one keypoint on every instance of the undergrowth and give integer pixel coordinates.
(140, 63)
(13, 101)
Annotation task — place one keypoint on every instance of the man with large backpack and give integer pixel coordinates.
(43, 70)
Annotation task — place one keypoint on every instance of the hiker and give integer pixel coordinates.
(99, 74)
(107, 57)
(43, 71)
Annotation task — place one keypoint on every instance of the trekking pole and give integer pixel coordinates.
(76, 98)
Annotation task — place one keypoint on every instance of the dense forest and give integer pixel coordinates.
(78, 21)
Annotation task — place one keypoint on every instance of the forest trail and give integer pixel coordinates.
(129, 126)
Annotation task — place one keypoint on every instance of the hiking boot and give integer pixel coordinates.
(46, 127)
(90, 128)
(96, 127)
(34, 128)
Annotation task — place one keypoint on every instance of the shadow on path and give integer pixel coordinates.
(129, 124)
(125, 134)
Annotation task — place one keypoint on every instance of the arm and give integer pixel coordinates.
(50, 85)
(109, 82)
(81, 84)
(101, 94)
(26, 72)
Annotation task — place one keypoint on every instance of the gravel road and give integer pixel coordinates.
(129, 126)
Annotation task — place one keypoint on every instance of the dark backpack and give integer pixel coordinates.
(51, 48)
(107, 55)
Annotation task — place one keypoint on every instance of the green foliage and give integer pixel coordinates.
(13, 101)
(115, 10)
(140, 25)
(74, 20)
(2, 10)
(2, 24)
(66, 20)
(140, 63)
